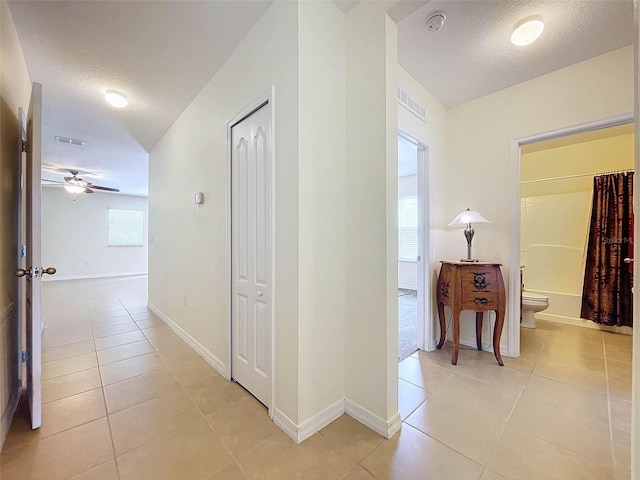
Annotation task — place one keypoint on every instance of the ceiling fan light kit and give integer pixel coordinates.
(75, 184)
(74, 189)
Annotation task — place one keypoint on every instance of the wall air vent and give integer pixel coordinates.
(410, 104)
(70, 141)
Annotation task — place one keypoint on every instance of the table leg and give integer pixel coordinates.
(443, 322)
(456, 335)
(479, 329)
(497, 332)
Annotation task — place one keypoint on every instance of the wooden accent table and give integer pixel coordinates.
(476, 286)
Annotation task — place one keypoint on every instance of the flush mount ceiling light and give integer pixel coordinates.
(527, 31)
(116, 99)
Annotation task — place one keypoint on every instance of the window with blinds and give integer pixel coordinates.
(408, 228)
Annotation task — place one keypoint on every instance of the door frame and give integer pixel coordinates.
(426, 320)
(22, 241)
(264, 99)
(513, 309)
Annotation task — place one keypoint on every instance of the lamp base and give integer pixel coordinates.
(469, 260)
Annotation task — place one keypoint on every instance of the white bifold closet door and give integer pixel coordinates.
(251, 252)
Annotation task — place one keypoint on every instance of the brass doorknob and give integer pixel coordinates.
(35, 272)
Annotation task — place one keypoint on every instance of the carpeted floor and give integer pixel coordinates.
(407, 323)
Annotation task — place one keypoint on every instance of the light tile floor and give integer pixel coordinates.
(125, 398)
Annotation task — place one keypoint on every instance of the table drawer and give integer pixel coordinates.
(479, 280)
(479, 301)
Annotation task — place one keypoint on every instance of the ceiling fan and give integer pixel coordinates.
(75, 184)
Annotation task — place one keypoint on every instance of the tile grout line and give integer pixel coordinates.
(504, 427)
(611, 447)
(106, 408)
(157, 352)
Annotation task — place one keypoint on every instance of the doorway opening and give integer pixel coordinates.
(520, 189)
(558, 250)
(411, 246)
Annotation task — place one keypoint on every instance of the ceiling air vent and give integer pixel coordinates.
(70, 141)
(410, 104)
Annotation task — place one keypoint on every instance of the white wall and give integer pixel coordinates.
(408, 270)
(75, 235)
(371, 213)
(300, 49)
(15, 88)
(321, 58)
(190, 250)
(477, 171)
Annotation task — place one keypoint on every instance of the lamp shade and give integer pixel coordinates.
(468, 216)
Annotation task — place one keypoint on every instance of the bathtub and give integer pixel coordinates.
(557, 272)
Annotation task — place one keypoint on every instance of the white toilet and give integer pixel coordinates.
(532, 303)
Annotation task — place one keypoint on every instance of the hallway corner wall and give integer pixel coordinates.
(189, 254)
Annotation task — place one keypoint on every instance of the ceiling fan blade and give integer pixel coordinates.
(98, 187)
(88, 190)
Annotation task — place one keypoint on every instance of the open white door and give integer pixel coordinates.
(34, 271)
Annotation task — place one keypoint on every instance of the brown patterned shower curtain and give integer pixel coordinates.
(606, 293)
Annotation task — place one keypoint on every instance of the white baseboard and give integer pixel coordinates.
(581, 322)
(299, 433)
(321, 420)
(211, 359)
(57, 278)
(9, 412)
(385, 428)
(285, 424)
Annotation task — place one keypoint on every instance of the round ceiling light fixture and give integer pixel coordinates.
(527, 31)
(116, 99)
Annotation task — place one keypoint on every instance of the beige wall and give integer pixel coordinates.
(371, 212)
(321, 57)
(15, 88)
(325, 262)
(189, 250)
(83, 251)
(477, 171)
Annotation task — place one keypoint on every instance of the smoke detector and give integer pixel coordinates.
(435, 21)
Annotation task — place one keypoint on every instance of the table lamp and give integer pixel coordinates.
(467, 217)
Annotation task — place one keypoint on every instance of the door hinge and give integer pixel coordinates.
(23, 251)
(24, 146)
(24, 356)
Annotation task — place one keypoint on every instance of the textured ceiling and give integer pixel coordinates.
(472, 55)
(159, 53)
